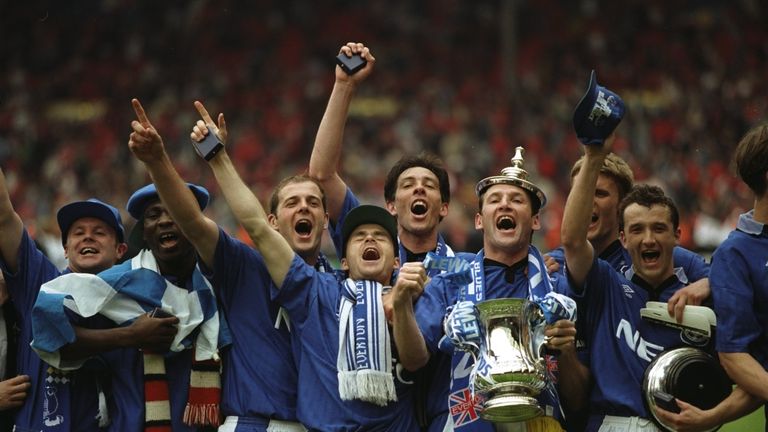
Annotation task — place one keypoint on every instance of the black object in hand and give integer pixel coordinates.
(666, 402)
(209, 146)
(350, 65)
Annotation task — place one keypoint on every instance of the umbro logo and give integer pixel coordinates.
(628, 291)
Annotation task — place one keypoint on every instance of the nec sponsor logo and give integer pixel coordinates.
(644, 349)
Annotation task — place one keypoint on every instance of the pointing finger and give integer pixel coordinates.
(140, 114)
(204, 113)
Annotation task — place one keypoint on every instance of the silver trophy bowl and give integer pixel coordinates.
(512, 370)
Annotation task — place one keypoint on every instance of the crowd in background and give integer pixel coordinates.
(693, 75)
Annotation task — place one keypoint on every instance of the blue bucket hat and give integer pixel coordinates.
(597, 114)
(94, 208)
(369, 214)
(138, 202)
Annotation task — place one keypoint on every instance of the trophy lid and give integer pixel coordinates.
(514, 175)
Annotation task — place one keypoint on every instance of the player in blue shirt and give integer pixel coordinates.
(93, 240)
(507, 267)
(621, 344)
(349, 379)
(613, 183)
(739, 276)
(259, 371)
(416, 192)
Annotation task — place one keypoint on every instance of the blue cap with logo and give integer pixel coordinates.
(94, 208)
(597, 114)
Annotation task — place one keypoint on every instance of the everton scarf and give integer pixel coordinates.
(442, 250)
(364, 362)
(121, 294)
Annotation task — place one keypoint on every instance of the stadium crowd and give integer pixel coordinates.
(232, 315)
(692, 74)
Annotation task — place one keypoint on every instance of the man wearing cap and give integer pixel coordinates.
(621, 344)
(259, 374)
(509, 266)
(93, 239)
(348, 376)
(163, 370)
(416, 192)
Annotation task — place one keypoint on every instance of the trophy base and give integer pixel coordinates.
(510, 409)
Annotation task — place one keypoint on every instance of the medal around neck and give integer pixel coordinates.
(598, 113)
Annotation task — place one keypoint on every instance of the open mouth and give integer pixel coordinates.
(370, 254)
(303, 227)
(506, 223)
(419, 207)
(88, 251)
(168, 239)
(594, 218)
(650, 256)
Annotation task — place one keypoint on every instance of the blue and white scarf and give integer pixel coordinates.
(121, 294)
(364, 362)
(441, 250)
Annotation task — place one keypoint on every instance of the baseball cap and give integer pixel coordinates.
(139, 201)
(514, 175)
(368, 214)
(598, 113)
(92, 207)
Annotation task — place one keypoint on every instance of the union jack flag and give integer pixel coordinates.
(464, 408)
(552, 368)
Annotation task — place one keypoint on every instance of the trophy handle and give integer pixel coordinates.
(538, 324)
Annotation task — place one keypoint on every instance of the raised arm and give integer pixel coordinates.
(275, 250)
(579, 252)
(147, 145)
(326, 153)
(11, 228)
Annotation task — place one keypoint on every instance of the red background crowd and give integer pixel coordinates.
(467, 80)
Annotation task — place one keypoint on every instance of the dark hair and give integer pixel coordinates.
(423, 160)
(751, 158)
(274, 200)
(648, 196)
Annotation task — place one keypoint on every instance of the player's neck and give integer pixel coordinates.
(505, 255)
(418, 243)
(310, 257)
(761, 210)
